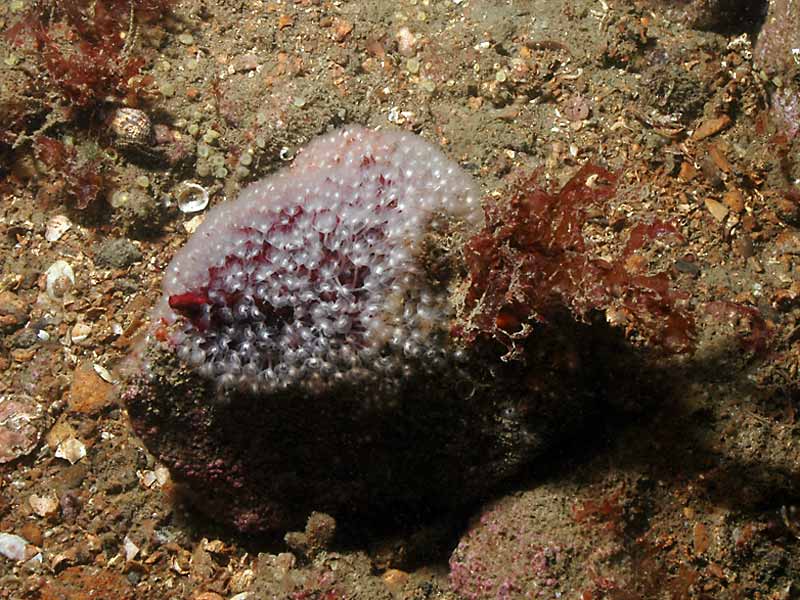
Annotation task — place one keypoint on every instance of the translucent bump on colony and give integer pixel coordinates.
(313, 276)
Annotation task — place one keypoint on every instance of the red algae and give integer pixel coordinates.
(81, 183)
(82, 45)
(532, 263)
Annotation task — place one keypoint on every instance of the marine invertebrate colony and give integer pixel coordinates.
(314, 276)
(321, 342)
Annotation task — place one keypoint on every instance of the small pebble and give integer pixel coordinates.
(12, 546)
(89, 393)
(117, 253)
(13, 312)
(187, 39)
(717, 209)
(43, 506)
(80, 332)
(406, 42)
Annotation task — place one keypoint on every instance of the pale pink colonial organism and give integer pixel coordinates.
(315, 275)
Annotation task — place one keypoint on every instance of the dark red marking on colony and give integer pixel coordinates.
(190, 304)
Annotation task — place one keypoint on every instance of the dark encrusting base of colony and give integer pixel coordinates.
(264, 464)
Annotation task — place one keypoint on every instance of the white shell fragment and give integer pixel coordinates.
(155, 478)
(71, 449)
(192, 224)
(12, 546)
(43, 506)
(131, 549)
(104, 373)
(191, 197)
(60, 278)
(56, 227)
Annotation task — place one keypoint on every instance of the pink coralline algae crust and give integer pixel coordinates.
(777, 52)
(301, 356)
(504, 555)
(785, 107)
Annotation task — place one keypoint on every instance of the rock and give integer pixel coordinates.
(716, 15)
(89, 393)
(20, 421)
(13, 546)
(777, 53)
(711, 127)
(376, 408)
(717, 209)
(118, 253)
(779, 37)
(13, 312)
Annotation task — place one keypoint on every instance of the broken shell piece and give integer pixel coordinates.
(104, 373)
(155, 478)
(131, 549)
(60, 278)
(71, 449)
(56, 227)
(191, 197)
(192, 224)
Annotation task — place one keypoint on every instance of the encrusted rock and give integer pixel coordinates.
(301, 356)
(20, 422)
